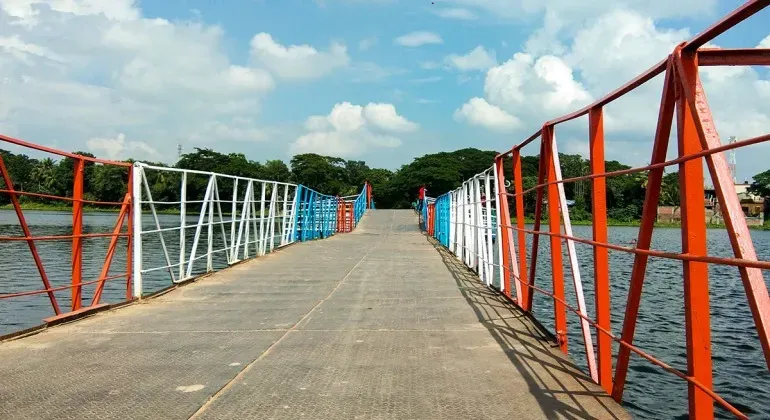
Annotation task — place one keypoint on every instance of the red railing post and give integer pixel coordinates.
(601, 255)
(506, 238)
(644, 238)
(696, 291)
(130, 229)
(554, 222)
(737, 230)
(541, 177)
(518, 187)
(77, 230)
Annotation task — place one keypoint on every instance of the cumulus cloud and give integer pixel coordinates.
(477, 59)
(458, 13)
(79, 71)
(548, 79)
(479, 112)
(119, 148)
(350, 130)
(367, 43)
(576, 12)
(297, 61)
(418, 38)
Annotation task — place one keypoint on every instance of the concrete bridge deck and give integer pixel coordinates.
(371, 324)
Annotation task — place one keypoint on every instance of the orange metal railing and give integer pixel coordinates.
(77, 237)
(683, 98)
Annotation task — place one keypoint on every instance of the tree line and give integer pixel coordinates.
(439, 172)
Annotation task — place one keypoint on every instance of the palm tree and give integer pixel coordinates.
(43, 176)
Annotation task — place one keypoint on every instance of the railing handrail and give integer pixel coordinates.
(218, 174)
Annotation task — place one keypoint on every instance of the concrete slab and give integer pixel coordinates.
(372, 324)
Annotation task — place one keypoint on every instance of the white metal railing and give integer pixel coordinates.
(472, 229)
(255, 217)
(471, 224)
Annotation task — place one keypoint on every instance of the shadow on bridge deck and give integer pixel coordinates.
(370, 324)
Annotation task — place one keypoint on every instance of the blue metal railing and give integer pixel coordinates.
(317, 214)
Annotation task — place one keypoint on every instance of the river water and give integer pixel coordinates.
(740, 373)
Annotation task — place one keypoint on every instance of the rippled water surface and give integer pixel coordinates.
(740, 373)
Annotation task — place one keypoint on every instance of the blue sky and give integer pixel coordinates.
(377, 80)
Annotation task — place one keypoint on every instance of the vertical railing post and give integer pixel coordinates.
(210, 233)
(522, 286)
(489, 256)
(182, 223)
(136, 194)
(541, 179)
(504, 237)
(729, 204)
(77, 231)
(577, 282)
(644, 238)
(298, 195)
(260, 250)
(601, 254)
(233, 252)
(696, 291)
(130, 231)
(554, 222)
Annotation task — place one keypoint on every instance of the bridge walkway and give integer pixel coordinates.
(371, 324)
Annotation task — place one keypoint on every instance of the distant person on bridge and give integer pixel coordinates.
(421, 198)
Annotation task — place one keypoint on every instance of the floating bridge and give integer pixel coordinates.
(247, 298)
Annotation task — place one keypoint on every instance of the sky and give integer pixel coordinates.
(383, 81)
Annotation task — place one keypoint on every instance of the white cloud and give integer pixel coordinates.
(429, 79)
(22, 51)
(75, 70)
(545, 86)
(384, 116)
(479, 112)
(27, 12)
(577, 12)
(429, 65)
(368, 72)
(458, 13)
(351, 130)
(367, 43)
(550, 78)
(297, 61)
(418, 38)
(476, 59)
(765, 43)
(119, 148)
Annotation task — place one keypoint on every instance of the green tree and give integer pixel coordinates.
(761, 184)
(324, 174)
(43, 177)
(109, 183)
(20, 169)
(276, 170)
(356, 172)
(669, 190)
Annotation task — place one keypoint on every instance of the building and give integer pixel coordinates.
(753, 207)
